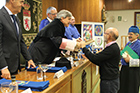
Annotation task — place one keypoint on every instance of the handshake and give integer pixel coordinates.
(81, 44)
(73, 45)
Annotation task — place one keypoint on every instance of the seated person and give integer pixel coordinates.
(71, 30)
(51, 15)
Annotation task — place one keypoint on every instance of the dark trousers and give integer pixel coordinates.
(109, 86)
(129, 79)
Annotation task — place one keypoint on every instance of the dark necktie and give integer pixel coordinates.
(14, 18)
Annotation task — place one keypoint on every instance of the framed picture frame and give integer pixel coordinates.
(95, 31)
(137, 19)
(119, 18)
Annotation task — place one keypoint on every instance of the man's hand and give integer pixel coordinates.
(127, 59)
(31, 63)
(78, 39)
(5, 73)
(80, 44)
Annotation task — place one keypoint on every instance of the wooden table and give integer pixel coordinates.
(71, 82)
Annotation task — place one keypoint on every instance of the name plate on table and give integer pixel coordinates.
(76, 63)
(27, 91)
(59, 74)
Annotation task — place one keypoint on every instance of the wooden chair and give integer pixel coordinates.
(123, 41)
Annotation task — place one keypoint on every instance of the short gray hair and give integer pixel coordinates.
(49, 9)
(64, 13)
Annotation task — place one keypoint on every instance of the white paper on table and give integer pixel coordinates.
(27, 91)
(51, 65)
(57, 58)
(58, 74)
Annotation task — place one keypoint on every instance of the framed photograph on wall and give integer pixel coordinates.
(137, 19)
(95, 31)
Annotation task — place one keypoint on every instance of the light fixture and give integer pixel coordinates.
(129, 0)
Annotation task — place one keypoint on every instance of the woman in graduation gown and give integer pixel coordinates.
(50, 40)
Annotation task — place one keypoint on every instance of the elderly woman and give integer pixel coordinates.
(50, 39)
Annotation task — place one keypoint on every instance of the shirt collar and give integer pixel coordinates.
(110, 43)
(49, 19)
(9, 12)
(71, 25)
(134, 41)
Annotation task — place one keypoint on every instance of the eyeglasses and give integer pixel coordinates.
(53, 13)
(106, 33)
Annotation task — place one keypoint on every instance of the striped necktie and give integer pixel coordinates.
(14, 18)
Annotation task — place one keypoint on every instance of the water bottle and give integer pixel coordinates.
(14, 84)
(71, 60)
(39, 72)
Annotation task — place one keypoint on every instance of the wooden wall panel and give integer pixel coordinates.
(83, 10)
(74, 6)
(122, 4)
(61, 4)
(46, 4)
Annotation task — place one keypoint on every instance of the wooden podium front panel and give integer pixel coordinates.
(77, 81)
(95, 78)
(80, 79)
(65, 89)
(62, 85)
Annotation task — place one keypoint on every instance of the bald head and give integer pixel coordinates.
(113, 33)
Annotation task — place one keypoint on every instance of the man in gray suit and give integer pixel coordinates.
(11, 40)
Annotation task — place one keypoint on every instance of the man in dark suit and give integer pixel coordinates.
(11, 40)
(108, 61)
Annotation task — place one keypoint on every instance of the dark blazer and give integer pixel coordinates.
(11, 44)
(45, 46)
(107, 60)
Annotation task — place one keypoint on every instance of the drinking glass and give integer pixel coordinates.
(44, 67)
(6, 87)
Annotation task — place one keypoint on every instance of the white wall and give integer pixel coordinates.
(2, 3)
(124, 24)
